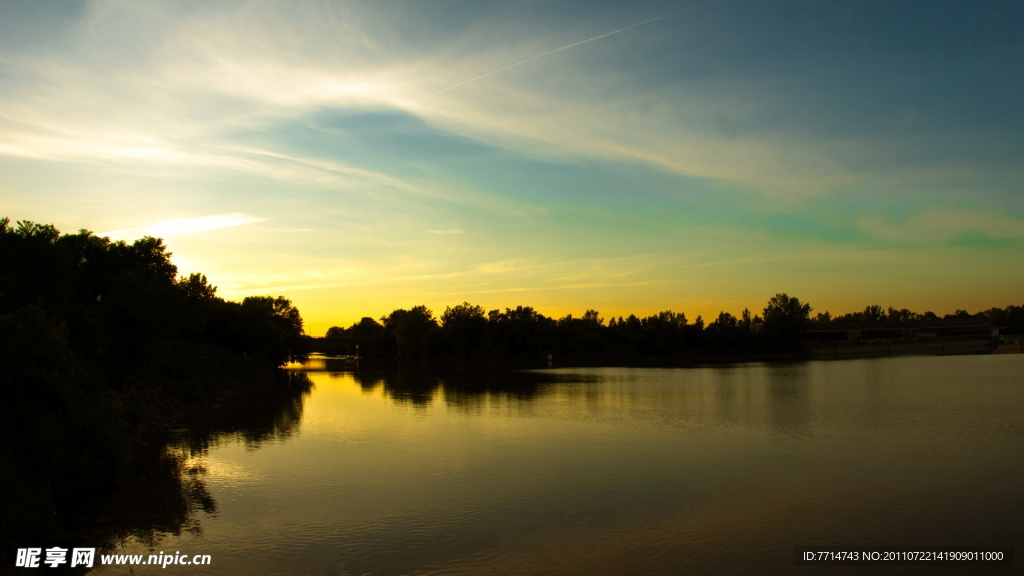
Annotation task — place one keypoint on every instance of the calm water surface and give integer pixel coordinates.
(716, 470)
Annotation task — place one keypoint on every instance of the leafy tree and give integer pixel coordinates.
(632, 324)
(783, 307)
(408, 329)
(592, 318)
(582, 338)
(274, 328)
(727, 333)
(197, 288)
(902, 315)
(462, 314)
(464, 326)
(958, 315)
(873, 313)
(280, 310)
(110, 343)
(366, 328)
(785, 319)
(725, 321)
(520, 334)
(661, 335)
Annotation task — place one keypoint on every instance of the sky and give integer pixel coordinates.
(629, 157)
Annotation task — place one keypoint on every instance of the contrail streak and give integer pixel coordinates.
(566, 47)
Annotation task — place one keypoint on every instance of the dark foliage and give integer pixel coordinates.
(102, 346)
(523, 337)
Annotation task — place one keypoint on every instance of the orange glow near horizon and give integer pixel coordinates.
(358, 161)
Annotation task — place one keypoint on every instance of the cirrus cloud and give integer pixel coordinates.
(183, 226)
(945, 224)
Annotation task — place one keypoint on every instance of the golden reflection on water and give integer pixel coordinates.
(620, 471)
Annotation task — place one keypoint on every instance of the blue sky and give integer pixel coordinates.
(359, 157)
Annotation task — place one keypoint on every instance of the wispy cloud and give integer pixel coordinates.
(134, 111)
(184, 226)
(945, 224)
(548, 53)
(211, 60)
(508, 265)
(448, 232)
(541, 288)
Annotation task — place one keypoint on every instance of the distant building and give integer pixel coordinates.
(834, 333)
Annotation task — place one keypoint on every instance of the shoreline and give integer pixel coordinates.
(843, 352)
(934, 348)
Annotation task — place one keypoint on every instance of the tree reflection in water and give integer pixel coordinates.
(461, 389)
(164, 493)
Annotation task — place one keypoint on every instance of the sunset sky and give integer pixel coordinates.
(631, 157)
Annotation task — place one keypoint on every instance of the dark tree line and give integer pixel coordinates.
(103, 344)
(523, 336)
(1010, 318)
(114, 301)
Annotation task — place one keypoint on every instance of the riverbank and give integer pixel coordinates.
(935, 348)
(841, 352)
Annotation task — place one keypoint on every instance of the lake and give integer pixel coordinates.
(584, 471)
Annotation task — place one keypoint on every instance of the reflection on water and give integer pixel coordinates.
(270, 413)
(596, 471)
(165, 493)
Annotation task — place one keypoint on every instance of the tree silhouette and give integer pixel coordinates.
(785, 319)
(110, 347)
(464, 328)
(408, 329)
(873, 313)
(273, 328)
(197, 288)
